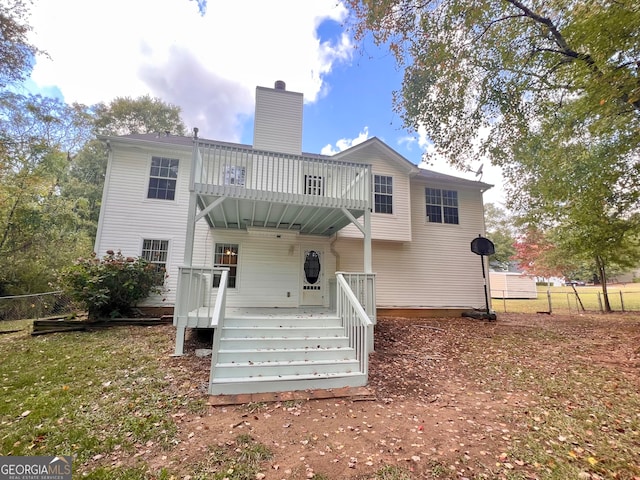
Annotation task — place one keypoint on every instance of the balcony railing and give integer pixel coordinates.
(233, 171)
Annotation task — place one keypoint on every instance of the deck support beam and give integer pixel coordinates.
(366, 232)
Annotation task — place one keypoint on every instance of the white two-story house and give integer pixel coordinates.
(290, 256)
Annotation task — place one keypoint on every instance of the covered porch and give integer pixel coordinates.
(253, 194)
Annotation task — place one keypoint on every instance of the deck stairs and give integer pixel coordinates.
(276, 353)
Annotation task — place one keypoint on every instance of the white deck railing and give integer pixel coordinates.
(234, 171)
(217, 321)
(196, 300)
(363, 286)
(356, 322)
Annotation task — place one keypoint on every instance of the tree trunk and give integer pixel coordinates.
(603, 280)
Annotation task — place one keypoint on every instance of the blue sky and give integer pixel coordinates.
(209, 66)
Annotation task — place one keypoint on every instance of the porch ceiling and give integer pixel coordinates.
(235, 213)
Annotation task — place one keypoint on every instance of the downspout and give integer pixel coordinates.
(334, 252)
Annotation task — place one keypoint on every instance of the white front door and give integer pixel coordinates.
(312, 277)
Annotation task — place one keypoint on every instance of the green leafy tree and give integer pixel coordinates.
(479, 74)
(548, 90)
(39, 229)
(501, 231)
(124, 116)
(587, 192)
(16, 52)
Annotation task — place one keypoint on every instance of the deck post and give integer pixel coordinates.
(188, 244)
(180, 333)
(368, 267)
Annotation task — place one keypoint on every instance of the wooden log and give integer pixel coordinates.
(54, 325)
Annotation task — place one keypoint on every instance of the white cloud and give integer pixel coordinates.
(208, 65)
(345, 143)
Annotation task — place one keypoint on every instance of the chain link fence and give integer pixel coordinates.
(583, 299)
(36, 306)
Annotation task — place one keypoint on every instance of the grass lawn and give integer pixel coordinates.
(564, 300)
(526, 397)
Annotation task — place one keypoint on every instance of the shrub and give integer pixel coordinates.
(111, 286)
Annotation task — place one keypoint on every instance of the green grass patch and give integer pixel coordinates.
(83, 394)
(563, 300)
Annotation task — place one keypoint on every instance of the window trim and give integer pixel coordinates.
(382, 194)
(231, 266)
(230, 175)
(443, 207)
(314, 185)
(151, 261)
(167, 178)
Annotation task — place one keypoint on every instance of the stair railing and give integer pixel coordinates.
(357, 325)
(217, 319)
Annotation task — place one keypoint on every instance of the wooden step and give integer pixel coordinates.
(269, 354)
(255, 369)
(285, 354)
(289, 383)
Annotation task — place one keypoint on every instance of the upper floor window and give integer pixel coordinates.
(313, 185)
(383, 194)
(155, 252)
(163, 178)
(226, 255)
(234, 175)
(442, 205)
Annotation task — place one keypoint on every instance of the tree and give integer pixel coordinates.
(480, 74)
(16, 53)
(124, 116)
(500, 230)
(587, 192)
(39, 229)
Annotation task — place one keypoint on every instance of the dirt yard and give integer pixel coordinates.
(449, 398)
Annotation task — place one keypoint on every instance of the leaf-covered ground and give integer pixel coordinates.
(527, 396)
(523, 397)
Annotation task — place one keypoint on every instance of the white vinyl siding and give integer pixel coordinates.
(385, 226)
(436, 269)
(127, 217)
(270, 269)
(278, 121)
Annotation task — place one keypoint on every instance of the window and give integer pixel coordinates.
(313, 185)
(383, 194)
(442, 206)
(155, 252)
(162, 180)
(234, 175)
(226, 255)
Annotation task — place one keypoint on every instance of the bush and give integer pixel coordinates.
(111, 286)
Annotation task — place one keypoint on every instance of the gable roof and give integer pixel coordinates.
(437, 177)
(413, 170)
(376, 144)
